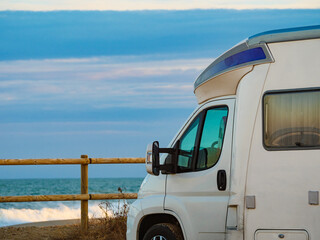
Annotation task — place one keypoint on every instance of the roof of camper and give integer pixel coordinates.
(283, 35)
(254, 51)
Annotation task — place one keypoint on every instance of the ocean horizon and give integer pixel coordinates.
(27, 212)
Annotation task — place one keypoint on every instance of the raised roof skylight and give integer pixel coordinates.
(237, 57)
(254, 51)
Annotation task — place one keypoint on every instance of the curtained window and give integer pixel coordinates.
(292, 120)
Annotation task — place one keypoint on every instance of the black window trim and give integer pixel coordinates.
(282, 91)
(202, 116)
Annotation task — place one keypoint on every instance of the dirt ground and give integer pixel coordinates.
(66, 232)
(99, 229)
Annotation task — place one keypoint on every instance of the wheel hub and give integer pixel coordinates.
(158, 237)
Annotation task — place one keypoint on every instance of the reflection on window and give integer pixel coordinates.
(292, 120)
(212, 137)
(187, 145)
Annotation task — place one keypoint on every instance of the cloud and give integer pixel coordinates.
(100, 82)
(77, 128)
(45, 5)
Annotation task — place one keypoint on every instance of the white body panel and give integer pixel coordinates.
(278, 180)
(151, 199)
(134, 216)
(245, 115)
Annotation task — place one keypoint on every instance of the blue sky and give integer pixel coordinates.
(179, 34)
(106, 83)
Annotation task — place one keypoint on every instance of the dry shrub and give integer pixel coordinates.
(112, 226)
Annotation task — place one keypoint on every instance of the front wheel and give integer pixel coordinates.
(163, 231)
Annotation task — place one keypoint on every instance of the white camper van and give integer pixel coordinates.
(246, 164)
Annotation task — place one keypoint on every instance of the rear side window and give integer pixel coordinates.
(291, 120)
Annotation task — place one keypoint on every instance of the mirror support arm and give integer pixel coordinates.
(170, 167)
(167, 150)
(167, 167)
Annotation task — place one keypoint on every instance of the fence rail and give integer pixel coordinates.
(67, 197)
(84, 197)
(61, 161)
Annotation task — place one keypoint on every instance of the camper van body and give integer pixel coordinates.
(263, 98)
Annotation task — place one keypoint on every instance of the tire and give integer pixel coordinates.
(163, 231)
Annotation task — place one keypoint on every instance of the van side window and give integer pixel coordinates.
(201, 143)
(212, 137)
(291, 120)
(187, 146)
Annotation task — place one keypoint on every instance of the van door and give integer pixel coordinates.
(198, 194)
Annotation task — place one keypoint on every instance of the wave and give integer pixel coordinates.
(13, 216)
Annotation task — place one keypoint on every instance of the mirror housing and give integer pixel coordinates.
(149, 159)
(152, 158)
(153, 166)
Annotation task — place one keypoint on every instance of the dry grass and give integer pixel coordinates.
(99, 229)
(112, 227)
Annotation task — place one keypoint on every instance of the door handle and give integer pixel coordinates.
(222, 180)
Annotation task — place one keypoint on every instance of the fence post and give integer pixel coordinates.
(84, 190)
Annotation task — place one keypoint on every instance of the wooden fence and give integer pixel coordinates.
(84, 196)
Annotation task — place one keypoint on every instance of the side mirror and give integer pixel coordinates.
(153, 159)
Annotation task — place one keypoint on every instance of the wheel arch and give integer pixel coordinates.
(149, 220)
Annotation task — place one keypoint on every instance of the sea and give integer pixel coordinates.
(26, 212)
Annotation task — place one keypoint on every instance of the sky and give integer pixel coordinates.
(122, 5)
(106, 83)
